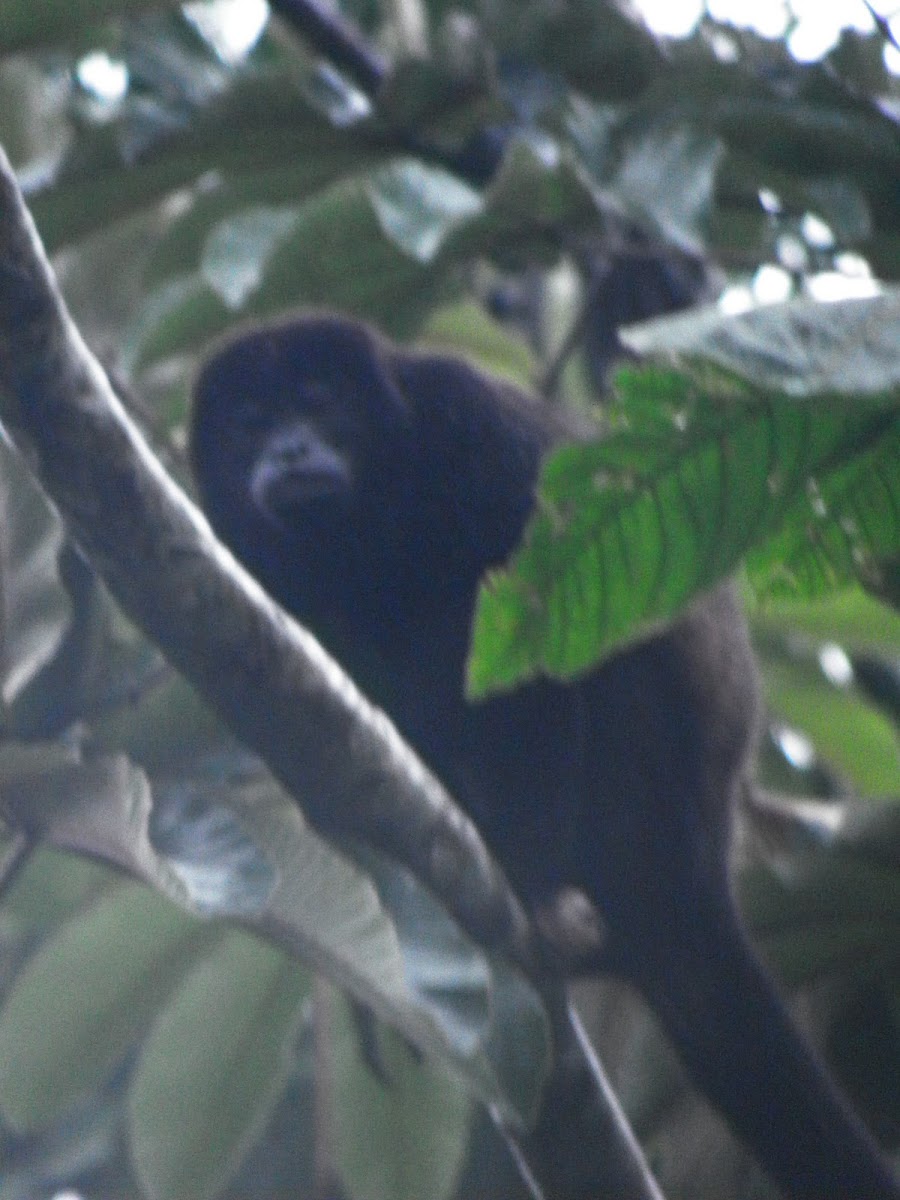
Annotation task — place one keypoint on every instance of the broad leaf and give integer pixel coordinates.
(87, 995)
(694, 475)
(400, 1124)
(214, 1065)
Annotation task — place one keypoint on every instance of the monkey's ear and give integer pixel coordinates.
(296, 464)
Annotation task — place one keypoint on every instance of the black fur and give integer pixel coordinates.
(369, 489)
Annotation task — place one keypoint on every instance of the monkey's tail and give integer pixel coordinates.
(742, 1050)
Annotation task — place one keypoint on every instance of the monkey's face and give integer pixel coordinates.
(295, 465)
(297, 436)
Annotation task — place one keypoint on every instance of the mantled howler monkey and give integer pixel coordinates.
(369, 489)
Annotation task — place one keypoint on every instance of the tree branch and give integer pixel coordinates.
(336, 40)
(257, 666)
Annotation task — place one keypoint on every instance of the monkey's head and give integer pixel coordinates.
(358, 481)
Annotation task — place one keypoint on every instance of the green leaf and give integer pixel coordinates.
(845, 527)
(84, 998)
(286, 184)
(849, 617)
(258, 140)
(419, 206)
(608, 52)
(213, 1067)
(355, 268)
(467, 329)
(168, 728)
(47, 22)
(51, 886)
(656, 168)
(849, 733)
(668, 177)
(448, 98)
(535, 194)
(236, 251)
(803, 348)
(178, 316)
(31, 94)
(404, 1135)
(836, 906)
(629, 528)
(381, 936)
(491, 1021)
(242, 848)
